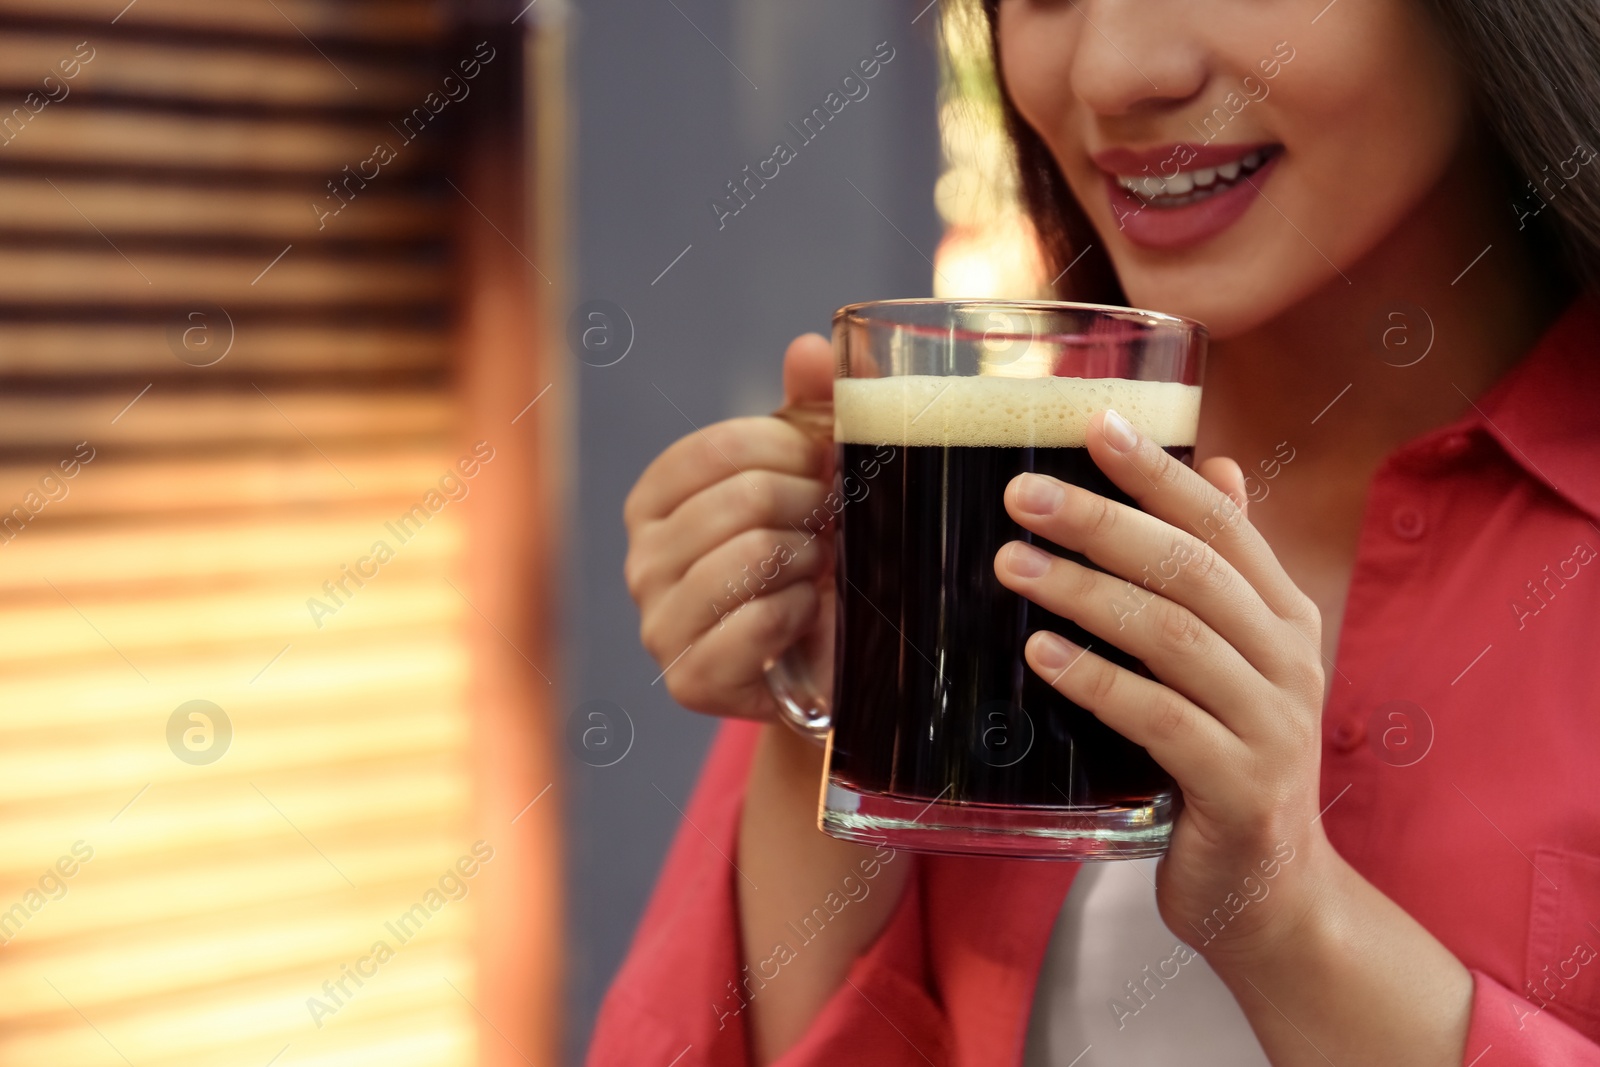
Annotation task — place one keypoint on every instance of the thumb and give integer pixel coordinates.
(808, 396)
(1225, 474)
(808, 370)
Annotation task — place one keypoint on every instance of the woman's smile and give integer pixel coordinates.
(1193, 181)
(1192, 192)
(1146, 110)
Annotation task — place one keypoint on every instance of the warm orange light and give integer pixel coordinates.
(223, 902)
(990, 248)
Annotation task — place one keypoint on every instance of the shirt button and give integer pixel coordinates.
(1408, 522)
(1348, 735)
(1454, 446)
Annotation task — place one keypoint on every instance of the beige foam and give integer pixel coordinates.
(918, 409)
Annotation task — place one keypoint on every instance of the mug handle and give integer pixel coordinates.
(803, 705)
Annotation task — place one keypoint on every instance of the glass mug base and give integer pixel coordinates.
(1107, 832)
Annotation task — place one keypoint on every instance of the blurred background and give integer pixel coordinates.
(333, 334)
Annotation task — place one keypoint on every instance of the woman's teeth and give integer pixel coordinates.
(1190, 186)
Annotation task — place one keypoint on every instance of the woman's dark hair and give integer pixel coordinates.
(1534, 67)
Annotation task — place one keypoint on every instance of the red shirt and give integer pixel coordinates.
(1475, 598)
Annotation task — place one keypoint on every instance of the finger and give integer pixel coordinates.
(751, 565)
(1189, 744)
(761, 499)
(808, 369)
(1172, 641)
(808, 373)
(731, 448)
(719, 672)
(1166, 488)
(1225, 474)
(1156, 558)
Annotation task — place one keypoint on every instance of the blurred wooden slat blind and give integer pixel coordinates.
(175, 178)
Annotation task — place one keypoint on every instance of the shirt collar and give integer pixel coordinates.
(1545, 411)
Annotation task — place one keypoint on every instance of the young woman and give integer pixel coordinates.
(1377, 689)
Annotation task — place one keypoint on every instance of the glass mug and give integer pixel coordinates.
(940, 737)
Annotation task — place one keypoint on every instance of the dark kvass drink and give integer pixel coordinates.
(934, 698)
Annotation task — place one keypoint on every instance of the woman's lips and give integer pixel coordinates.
(1186, 221)
(1162, 159)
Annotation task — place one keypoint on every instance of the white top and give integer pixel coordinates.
(1118, 989)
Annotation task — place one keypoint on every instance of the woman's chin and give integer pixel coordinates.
(1234, 284)
(1229, 297)
(1222, 308)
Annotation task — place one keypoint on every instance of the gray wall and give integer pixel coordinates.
(663, 122)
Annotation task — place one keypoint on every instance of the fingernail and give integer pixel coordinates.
(1025, 561)
(1052, 651)
(1121, 435)
(1038, 494)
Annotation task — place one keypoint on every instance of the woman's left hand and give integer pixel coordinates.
(1234, 715)
(1234, 712)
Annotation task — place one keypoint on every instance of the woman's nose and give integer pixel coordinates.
(1136, 56)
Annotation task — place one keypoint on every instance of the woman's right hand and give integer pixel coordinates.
(728, 546)
(702, 519)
